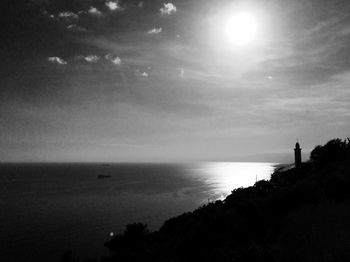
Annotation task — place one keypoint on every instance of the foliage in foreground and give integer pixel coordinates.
(299, 215)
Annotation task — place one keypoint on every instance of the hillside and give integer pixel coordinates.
(299, 215)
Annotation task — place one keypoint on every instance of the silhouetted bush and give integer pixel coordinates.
(133, 235)
(68, 257)
(334, 150)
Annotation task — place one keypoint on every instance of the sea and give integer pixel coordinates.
(49, 209)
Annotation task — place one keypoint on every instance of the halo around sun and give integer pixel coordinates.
(241, 29)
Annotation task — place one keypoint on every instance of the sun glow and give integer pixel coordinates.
(241, 28)
(228, 176)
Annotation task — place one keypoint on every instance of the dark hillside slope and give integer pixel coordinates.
(302, 214)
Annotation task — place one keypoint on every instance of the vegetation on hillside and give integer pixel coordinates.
(301, 214)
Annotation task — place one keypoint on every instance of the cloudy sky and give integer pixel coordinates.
(130, 80)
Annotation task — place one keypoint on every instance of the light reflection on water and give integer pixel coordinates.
(223, 177)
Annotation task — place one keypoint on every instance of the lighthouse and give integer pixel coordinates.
(297, 155)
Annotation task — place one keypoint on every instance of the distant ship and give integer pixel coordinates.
(103, 176)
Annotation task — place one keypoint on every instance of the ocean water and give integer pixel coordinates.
(47, 209)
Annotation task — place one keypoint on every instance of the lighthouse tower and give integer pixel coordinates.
(297, 155)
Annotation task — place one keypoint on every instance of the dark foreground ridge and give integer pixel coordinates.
(301, 214)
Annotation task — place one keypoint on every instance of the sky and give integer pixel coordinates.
(159, 81)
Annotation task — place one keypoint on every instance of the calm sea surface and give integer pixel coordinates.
(46, 209)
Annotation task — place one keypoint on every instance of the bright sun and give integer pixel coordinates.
(241, 29)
